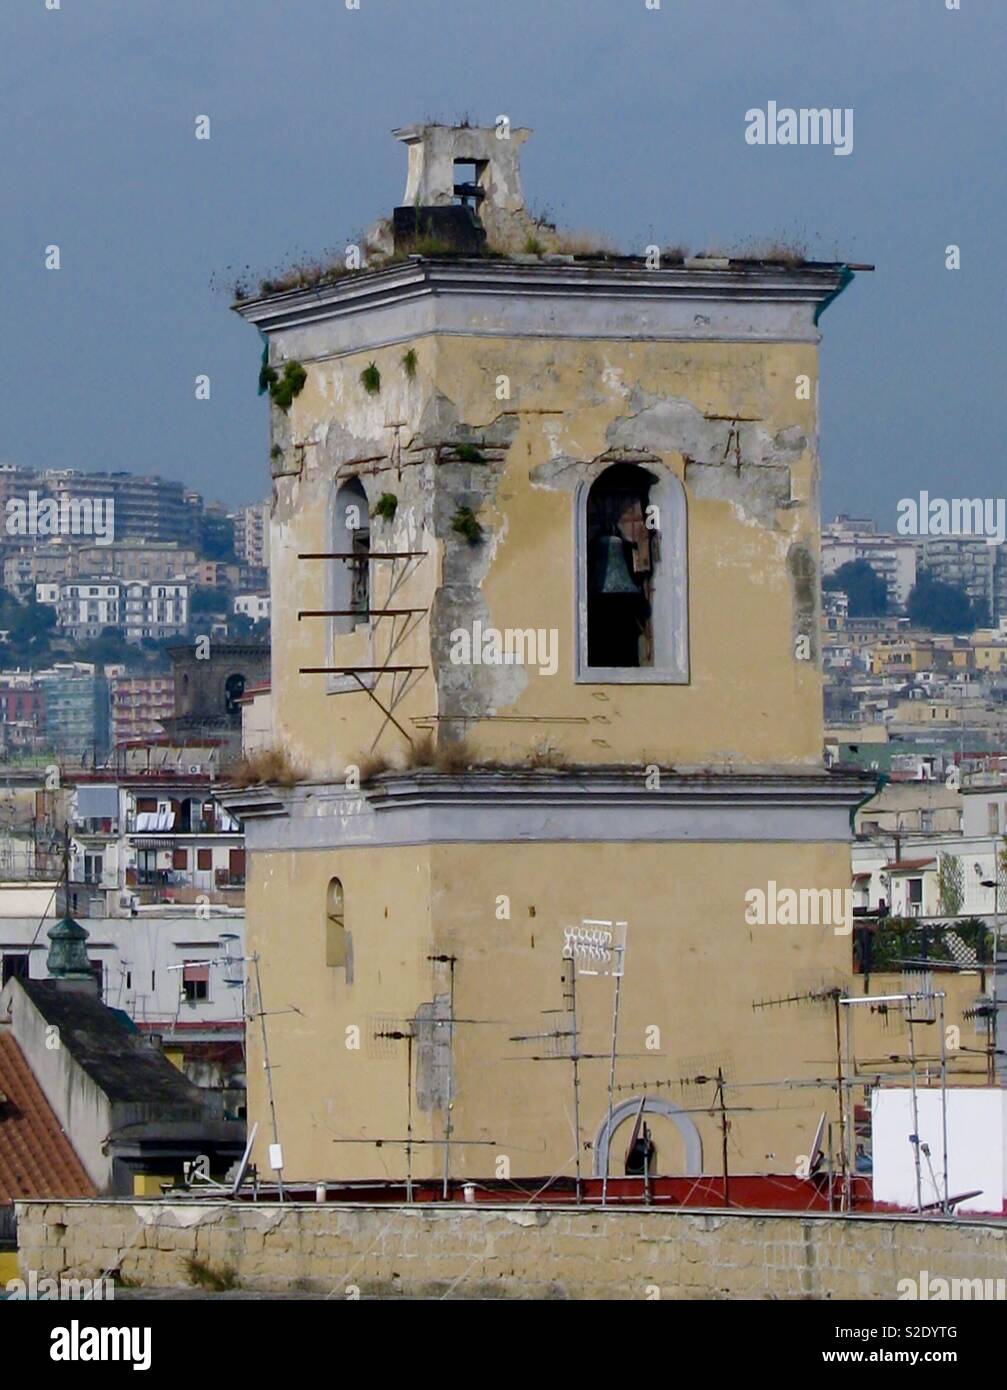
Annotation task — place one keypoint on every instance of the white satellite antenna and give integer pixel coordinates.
(817, 1153)
(598, 947)
(242, 1172)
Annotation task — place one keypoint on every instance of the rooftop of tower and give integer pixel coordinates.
(463, 209)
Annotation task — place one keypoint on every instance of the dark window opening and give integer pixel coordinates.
(622, 555)
(351, 586)
(360, 576)
(15, 967)
(641, 1156)
(234, 875)
(469, 189)
(148, 875)
(234, 688)
(195, 981)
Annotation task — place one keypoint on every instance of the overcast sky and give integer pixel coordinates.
(639, 121)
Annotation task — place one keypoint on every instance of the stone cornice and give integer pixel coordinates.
(600, 804)
(497, 297)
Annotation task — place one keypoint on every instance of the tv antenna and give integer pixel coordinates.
(595, 948)
(598, 947)
(702, 1074)
(827, 994)
(385, 1036)
(927, 998)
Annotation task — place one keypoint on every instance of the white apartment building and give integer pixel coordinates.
(893, 558)
(966, 563)
(87, 606)
(254, 606)
(142, 607)
(155, 610)
(898, 863)
(167, 967)
(251, 534)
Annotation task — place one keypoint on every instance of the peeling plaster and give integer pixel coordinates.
(674, 425)
(341, 446)
(434, 1088)
(757, 494)
(736, 461)
(804, 583)
(469, 690)
(440, 425)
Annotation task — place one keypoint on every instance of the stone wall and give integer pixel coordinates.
(504, 1252)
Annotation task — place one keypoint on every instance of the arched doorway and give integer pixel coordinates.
(653, 1105)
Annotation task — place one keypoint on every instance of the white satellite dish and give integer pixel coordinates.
(817, 1154)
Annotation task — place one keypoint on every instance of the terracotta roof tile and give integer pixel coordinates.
(36, 1157)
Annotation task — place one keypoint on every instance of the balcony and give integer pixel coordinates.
(164, 886)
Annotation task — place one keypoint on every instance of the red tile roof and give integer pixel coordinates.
(905, 866)
(36, 1157)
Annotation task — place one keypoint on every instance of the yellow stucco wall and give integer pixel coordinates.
(326, 1087)
(748, 699)
(694, 969)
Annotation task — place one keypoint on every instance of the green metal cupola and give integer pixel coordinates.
(68, 958)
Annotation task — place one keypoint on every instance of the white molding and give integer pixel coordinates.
(592, 806)
(621, 300)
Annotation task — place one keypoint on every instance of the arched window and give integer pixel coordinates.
(234, 688)
(335, 924)
(632, 589)
(350, 588)
(622, 553)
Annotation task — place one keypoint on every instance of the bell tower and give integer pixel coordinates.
(544, 544)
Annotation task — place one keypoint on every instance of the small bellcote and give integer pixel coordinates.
(468, 167)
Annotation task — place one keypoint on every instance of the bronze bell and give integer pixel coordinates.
(609, 571)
